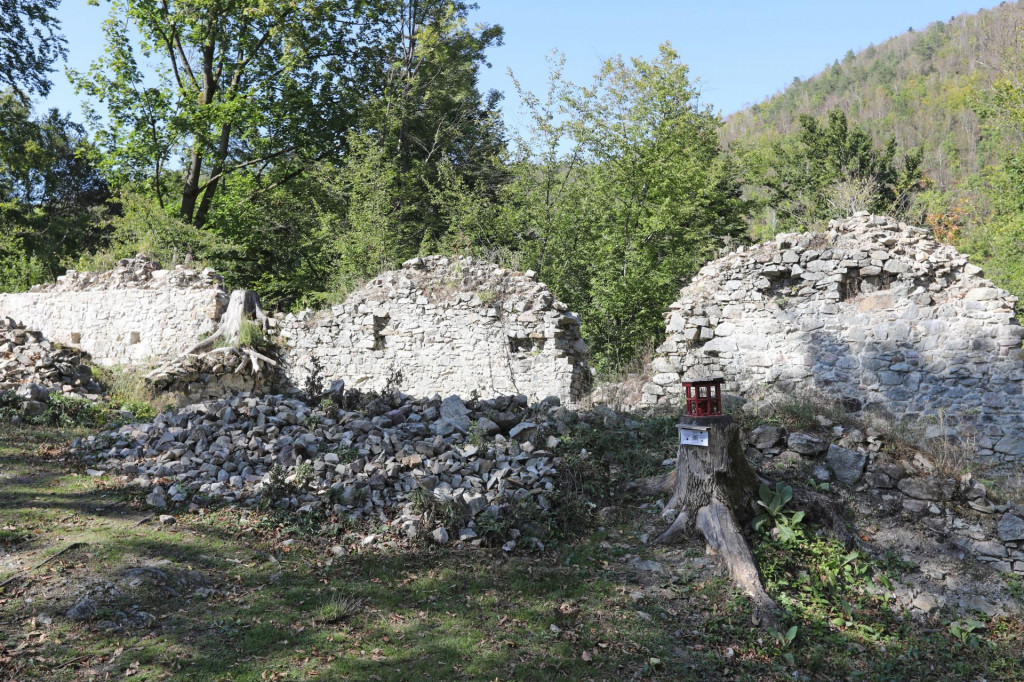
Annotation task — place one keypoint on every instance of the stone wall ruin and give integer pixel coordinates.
(440, 325)
(133, 314)
(874, 312)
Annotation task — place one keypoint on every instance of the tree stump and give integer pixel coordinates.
(244, 304)
(712, 488)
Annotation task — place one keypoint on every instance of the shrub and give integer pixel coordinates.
(67, 411)
(11, 405)
(250, 335)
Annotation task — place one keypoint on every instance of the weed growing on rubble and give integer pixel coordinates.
(437, 511)
(10, 405)
(304, 474)
(251, 335)
(66, 411)
(127, 389)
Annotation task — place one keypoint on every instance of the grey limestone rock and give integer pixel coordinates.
(848, 465)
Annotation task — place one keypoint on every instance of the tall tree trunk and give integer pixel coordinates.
(211, 186)
(190, 193)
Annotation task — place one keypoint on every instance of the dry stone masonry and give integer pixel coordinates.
(440, 325)
(32, 368)
(905, 491)
(908, 505)
(133, 314)
(874, 312)
(196, 378)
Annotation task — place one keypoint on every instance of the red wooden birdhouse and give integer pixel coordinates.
(704, 397)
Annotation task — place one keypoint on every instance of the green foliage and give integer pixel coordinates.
(784, 524)
(274, 487)
(964, 630)
(66, 411)
(304, 474)
(338, 608)
(827, 169)
(783, 639)
(145, 228)
(126, 388)
(30, 41)
(251, 335)
(18, 270)
(11, 405)
(918, 87)
(824, 586)
(618, 194)
(50, 194)
(437, 511)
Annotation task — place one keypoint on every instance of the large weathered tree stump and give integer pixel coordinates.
(712, 490)
(242, 305)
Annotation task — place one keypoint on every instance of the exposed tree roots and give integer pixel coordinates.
(712, 490)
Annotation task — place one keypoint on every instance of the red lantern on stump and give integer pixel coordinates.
(704, 397)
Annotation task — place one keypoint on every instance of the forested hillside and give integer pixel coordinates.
(921, 87)
(925, 126)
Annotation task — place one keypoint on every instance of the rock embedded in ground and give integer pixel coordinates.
(84, 609)
(1010, 528)
(156, 500)
(806, 444)
(848, 465)
(927, 488)
(765, 436)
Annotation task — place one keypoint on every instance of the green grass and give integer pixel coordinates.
(230, 601)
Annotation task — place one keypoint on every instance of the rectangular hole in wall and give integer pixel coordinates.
(519, 345)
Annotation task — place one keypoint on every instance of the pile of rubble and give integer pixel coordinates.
(387, 460)
(140, 272)
(32, 368)
(910, 506)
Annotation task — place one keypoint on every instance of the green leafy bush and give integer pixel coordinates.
(67, 411)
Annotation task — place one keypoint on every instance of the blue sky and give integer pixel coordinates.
(742, 50)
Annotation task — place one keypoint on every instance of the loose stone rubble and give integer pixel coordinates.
(483, 456)
(132, 314)
(32, 368)
(896, 493)
(875, 312)
(453, 326)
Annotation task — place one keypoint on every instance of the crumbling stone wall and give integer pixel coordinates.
(195, 378)
(448, 326)
(873, 311)
(132, 314)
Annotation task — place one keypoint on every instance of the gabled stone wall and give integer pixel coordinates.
(440, 325)
(872, 311)
(133, 314)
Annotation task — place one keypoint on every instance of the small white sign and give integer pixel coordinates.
(693, 435)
